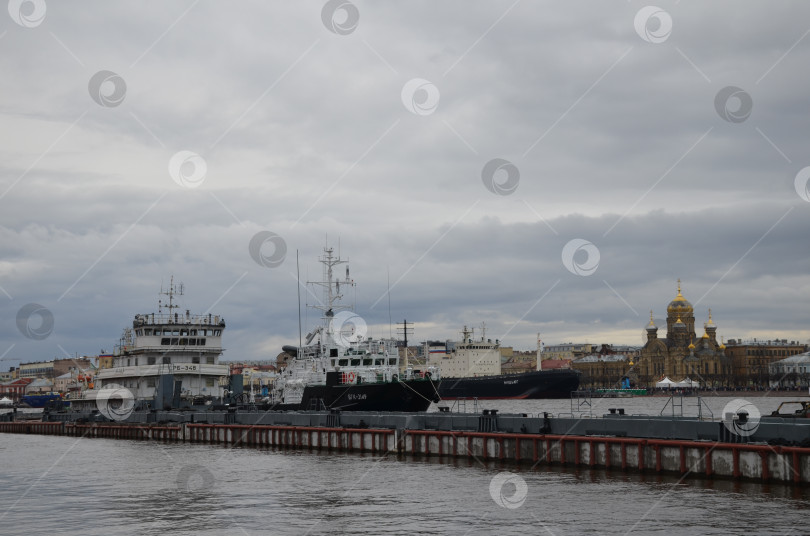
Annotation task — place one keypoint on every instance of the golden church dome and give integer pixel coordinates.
(679, 304)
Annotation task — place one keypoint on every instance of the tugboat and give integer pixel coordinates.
(344, 370)
(166, 360)
(472, 369)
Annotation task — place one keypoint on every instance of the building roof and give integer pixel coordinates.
(594, 358)
(41, 382)
(19, 381)
(549, 364)
(798, 358)
(755, 342)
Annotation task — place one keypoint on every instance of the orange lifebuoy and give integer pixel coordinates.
(352, 375)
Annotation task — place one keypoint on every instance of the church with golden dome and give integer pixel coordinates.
(681, 354)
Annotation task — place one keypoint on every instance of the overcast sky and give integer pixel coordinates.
(547, 168)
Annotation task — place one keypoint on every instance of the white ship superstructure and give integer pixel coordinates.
(468, 357)
(183, 345)
(341, 347)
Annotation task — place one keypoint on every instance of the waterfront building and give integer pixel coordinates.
(53, 368)
(105, 360)
(602, 370)
(15, 389)
(73, 364)
(791, 372)
(566, 351)
(517, 362)
(61, 383)
(36, 369)
(751, 359)
(682, 353)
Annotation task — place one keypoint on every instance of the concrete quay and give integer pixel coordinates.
(671, 445)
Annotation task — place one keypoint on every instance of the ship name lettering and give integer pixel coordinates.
(185, 368)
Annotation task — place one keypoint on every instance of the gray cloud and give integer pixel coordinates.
(304, 134)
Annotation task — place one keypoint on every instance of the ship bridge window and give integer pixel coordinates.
(147, 332)
(200, 342)
(379, 362)
(392, 360)
(209, 360)
(183, 342)
(217, 332)
(193, 332)
(174, 341)
(138, 332)
(343, 362)
(164, 341)
(167, 360)
(355, 362)
(175, 332)
(333, 352)
(184, 332)
(195, 359)
(192, 342)
(150, 361)
(367, 362)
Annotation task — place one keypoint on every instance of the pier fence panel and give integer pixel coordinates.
(759, 462)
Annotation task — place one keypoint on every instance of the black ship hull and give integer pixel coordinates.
(401, 396)
(528, 385)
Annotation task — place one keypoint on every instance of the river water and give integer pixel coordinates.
(65, 485)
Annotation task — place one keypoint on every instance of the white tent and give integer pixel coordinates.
(687, 384)
(666, 383)
(5, 401)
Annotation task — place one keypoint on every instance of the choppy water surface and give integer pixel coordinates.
(63, 485)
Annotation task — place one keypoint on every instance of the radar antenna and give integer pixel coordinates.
(171, 292)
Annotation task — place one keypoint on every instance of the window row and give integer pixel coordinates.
(367, 362)
(177, 332)
(166, 341)
(166, 360)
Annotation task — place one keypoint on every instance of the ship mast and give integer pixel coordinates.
(466, 333)
(171, 292)
(331, 287)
